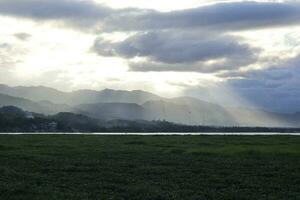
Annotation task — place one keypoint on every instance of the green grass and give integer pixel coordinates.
(149, 167)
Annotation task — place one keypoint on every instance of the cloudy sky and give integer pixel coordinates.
(231, 52)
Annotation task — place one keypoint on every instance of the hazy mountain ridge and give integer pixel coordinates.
(109, 111)
(36, 93)
(191, 111)
(139, 105)
(41, 93)
(28, 105)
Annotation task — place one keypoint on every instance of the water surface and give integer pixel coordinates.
(221, 133)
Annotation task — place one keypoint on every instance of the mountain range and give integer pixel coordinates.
(139, 105)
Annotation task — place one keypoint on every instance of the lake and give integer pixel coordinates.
(253, 133)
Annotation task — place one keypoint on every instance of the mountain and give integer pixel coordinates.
(139, 105)
(41, 93)
(254, 117)
(111, 96)
(13, 111)
(71, 122)
(38, 93)
(28, 105)
(182, 110)
(13, 119)
(109, 111)
(189, 111)
(192, 111)
(25, 104)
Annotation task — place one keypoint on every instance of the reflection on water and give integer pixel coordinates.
(253, 133)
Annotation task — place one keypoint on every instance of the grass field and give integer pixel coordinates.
(149, 167)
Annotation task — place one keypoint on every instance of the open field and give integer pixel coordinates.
(149, 167)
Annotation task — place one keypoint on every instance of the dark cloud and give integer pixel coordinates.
(6, 60)
(76, 12)
(229, 16)
(275, 88)
(205, 44)
(5, 46)
(160, 38)
(169, 47)
(180, 51)
(219, 17)
(22, 36)
(201, 67)
(11, 54)
(179, 84)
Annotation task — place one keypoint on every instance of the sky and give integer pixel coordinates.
(230, 52)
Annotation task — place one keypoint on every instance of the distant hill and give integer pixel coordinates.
(28, 105)
(139, 105)
(25, 104)
(191, 111)
(13, 119)
(196, 113)
(41, 93)
(111, 96)
(73, 122)
(12, 111)
(109, 111)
